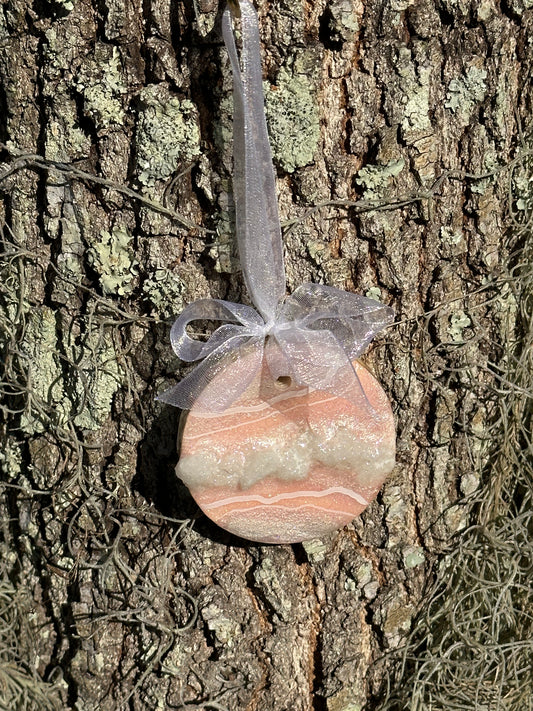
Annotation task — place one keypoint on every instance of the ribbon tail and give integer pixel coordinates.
(317, 360)
(242, 320)
(220, 379)
(354, 320)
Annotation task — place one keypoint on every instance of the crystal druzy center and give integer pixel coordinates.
(287, 463)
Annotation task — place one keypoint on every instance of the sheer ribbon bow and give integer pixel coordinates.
(311, 336)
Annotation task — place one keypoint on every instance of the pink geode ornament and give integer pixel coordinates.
(287, 463)
(288, 436)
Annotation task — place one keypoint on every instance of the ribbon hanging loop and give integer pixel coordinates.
(254, 188)
(315, 333)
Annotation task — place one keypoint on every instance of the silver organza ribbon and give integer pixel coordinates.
(311, 336)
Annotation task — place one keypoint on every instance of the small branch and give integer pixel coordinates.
(33, 161)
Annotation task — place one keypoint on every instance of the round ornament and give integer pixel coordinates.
(287, 463)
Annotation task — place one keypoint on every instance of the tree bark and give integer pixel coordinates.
(393, 125)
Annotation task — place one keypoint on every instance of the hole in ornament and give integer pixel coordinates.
(284, 382)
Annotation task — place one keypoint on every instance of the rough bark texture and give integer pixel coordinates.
(126, 597)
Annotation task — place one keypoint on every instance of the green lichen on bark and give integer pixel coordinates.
(94, 379)
(46, 401)
(458, 322)
(164, 289)
(343, 22)
(466, 92)
(374, 293)
(520, 6)
(167, 135)
(293, 120)
(101, 84)
(375, 179)
(112, 256)
(11, 460)
(68, 377)
(415, 81)
(413, 556)
(64, 137)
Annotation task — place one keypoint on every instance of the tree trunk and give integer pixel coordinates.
(393, 125)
